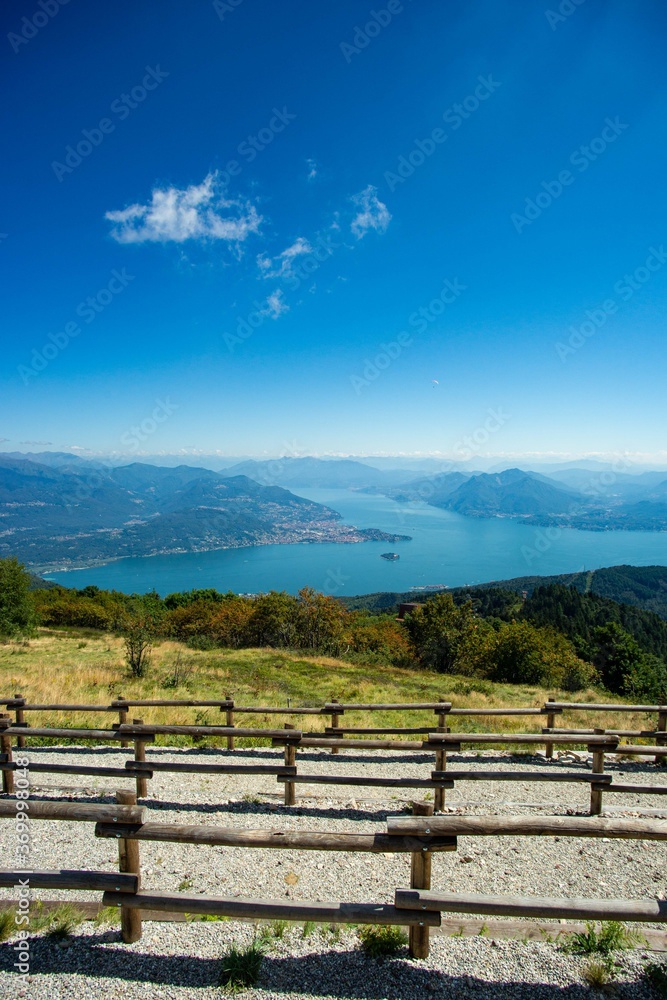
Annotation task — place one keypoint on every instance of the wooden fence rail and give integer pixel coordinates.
(418, 907)
(440, 743)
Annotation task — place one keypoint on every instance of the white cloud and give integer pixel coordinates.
(275, 305)
(372, 214)
(312, 169)
(199, 212)
(281, 266)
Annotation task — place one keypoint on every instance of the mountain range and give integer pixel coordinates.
(76, 514)
(59, 510)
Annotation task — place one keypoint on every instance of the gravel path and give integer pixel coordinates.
(177, 958)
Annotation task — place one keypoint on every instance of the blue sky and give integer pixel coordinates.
(258, 199)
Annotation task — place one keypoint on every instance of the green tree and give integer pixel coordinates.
(321, 621)
(439, 631)
(17, 611)
(273, 621)
(646, 681)
(616, 654)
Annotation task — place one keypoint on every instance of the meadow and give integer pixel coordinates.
(88, 667)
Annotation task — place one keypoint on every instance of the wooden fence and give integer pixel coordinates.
(335, 710)
(417, 907)
(439, 744)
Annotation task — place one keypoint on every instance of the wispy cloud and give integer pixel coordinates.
(281, 266)
(312, 169)
(275, 305)
(372, 214)
(43, 444)
(2, 440)
(199, 212)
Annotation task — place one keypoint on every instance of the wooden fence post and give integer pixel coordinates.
(335, 722)
(441, 759)
(661, 740)
(420, 878)
(290, 761)
(598, 768)
(229, 721)
(551, 722)
(140, 757)
(20, 720)
(122, 720)
(128, 861)
(6, 743)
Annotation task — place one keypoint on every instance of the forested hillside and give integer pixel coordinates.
(556, 636)
(642, 586)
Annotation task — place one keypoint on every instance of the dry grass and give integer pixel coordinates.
(88, 668)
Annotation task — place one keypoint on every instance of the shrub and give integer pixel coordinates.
(138, 632)
(521, 653)
(383, 940)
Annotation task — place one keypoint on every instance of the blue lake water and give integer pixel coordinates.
(446, 548)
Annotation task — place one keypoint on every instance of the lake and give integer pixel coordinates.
(446, 548)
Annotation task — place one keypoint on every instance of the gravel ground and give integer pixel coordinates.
(173, 959)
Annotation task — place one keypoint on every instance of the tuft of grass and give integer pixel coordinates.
(655, 974)
(185, 884)
(308, 929)
(107, 915)
(598, 974)
(63, 920)
(612, 936)
(381, 941)
(240, 966)
(7, 924)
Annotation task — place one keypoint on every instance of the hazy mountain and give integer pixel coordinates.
(507, 493)
(433, 489)
(318, 473)
(53, 517)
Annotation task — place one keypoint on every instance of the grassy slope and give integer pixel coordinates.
(71, 667)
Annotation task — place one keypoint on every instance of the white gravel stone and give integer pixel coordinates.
(182, 959)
